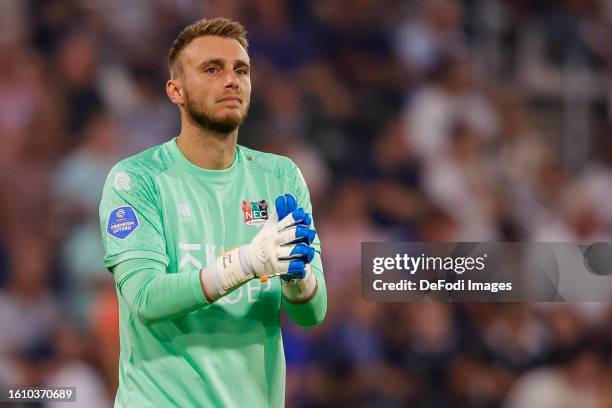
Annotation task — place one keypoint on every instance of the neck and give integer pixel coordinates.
(205, 148)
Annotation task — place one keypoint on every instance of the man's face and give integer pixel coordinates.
(217, 83)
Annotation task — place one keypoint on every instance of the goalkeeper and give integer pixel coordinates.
(207, 240)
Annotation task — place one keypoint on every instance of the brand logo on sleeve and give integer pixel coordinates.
(122, 181)
(255, 212)
(122, 222)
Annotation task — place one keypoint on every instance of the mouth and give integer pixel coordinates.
(231, 99)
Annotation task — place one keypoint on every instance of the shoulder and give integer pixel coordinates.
(275, 164)
(139, 170)
(148, 162)
(145, 166)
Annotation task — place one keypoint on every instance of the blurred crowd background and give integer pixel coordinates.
(437, 120)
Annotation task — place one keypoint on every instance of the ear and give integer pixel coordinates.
(174, 89)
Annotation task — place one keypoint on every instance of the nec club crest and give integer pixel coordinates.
(255, 212)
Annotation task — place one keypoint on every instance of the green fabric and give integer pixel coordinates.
(153, 295)
(176, 349)
(313, 312)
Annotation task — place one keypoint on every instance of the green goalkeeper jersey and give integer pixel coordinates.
(163, 219)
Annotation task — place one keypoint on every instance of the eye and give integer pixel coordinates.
(211, 70)
(242, 71)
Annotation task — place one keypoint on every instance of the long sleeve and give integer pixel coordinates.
(312, 312)
(153, 295)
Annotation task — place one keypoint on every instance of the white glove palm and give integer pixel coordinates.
(276, 249)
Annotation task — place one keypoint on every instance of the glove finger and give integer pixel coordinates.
(286, 236)
(283, 253)
(291, 203)
(299, 251)
(294, 234)
(285, 204)
(312, 233)
(297, 270)
(310, 254)
(306, 234)
(293, 218)
(280, 207)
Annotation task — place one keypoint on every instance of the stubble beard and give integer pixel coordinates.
(224, 125)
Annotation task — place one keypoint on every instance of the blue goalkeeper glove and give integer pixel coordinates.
(299, 285)
(286, 205)
(280, 248)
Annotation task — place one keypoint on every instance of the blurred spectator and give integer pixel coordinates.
(145, 116)
(517, 339)
(77, 68)
(436, 29)
(77, 190)
(463, 185)
(29, 310)
(104, 324)
(393, 174)
(432, 348)
(341, 235)
(575, 384)
(69, 369)
(451, 97)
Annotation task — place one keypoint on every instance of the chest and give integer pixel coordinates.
(201, 219)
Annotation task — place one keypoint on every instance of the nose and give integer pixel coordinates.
(231, 80)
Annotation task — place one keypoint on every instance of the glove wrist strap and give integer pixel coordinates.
(300, 291)
(230, 270)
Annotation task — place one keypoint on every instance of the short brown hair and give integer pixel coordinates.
(220, 26)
